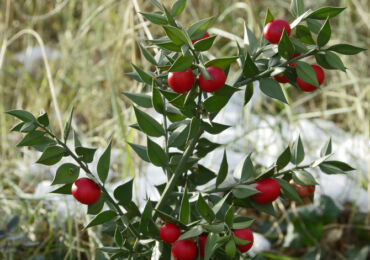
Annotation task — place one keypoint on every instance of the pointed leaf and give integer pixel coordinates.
(297, 152)
(245, 169)
(141, 151)
(22, 115)
(182, 63)
(204, 209)
(31, 138)
(325, 12)
(123, 193)
(103, 164)
(156, 154)
(155, 18)
(142, 100)
(51, 155)
(272, 88)
(285, 47)
(148, 124)
(66, 173)
(178, 7)
(222, 172)
(288, 191)
(346, 49)
(306, 73)
(102, 218)
(297, 7)
(324, 34)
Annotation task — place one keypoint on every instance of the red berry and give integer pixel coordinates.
(245, 234)
(269, 191)
(218, 80)
(205, 35)
(303, 190)
(274, 29)
(281, 78)
(320, 78)
(184, 250)
(169, 233)
(202, 243)
(181, 81)
(85, 191)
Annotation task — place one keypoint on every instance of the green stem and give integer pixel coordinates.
(173, 181)
(111, 203)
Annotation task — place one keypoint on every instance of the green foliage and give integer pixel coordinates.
(186, 118)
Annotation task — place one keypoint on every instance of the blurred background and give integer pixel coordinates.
(56, 55)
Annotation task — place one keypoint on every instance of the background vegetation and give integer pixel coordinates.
(89, 46)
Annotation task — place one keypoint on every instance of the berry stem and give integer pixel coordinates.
(111, 203)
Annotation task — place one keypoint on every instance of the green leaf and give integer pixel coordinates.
(222, 172)
(244, 191)
(169, 16)
(102, 218)
(43, 143)
(204, 209)
(321, 60)
(297, 151)
(229, 216)
(202, 176)
(314, 25)
(221, 63)
(299, 19)
(67, 127)
(285, 47)
(148, 124)
(304, 34)
(335, 167)
(167, 45)
(198, 29)
(155, 18)
(142, 100)
(220, 205)
(324, 34)
(297, 7)
(269, 17)
(303, 177)
(85, 154)
(298, 45)
(266, 208)
(43, 119)
(346, 49)
(51, 155)
(288, 191)
(66, 173)
(211, 245)
(245, 169)
(157, 4)
(248, 93)
(77, 142)
(326, 149)
(325, 12)
(22, 115)
(242, 222)
(156, 154)
(146, 217)
(194, 128)
(250, 69)
(148, 56)
(179, 136)
(17, 127)
(94, 209)
(215, 228)
(334, 61)
(118, 236)
(272, 88)
(230, 249)
(141, 151)
(184, 215)
(176, 35)
(103, 164)
(157, 100)
(182, 63)
(306, 73)
(204, 44)
(144, 76)
(250, 40)
(193, 232)
(123, 193)
(283, 159)
(65, 189)
(178, 7)
(31, 138)
(215, 103)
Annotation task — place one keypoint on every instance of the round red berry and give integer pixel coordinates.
(202, 243)
(245, 234)
(320, 75)
(181, 81)
(169, 233)
(184, 250)
(205, 35)
(269, 191)
(274, 29)
(303, 190)
(218, 80)
(85, 191)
